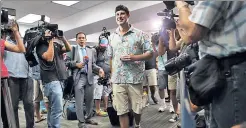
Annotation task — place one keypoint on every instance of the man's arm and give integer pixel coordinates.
(173, 45)
(49, 54)
(19, 47)
(161, 48)
(189, 31)
(95, 68)
(67, 47)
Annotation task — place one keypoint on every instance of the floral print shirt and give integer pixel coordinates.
(134, 42)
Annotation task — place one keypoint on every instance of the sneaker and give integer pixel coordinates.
(137, 126)
(162, 108)
(102, 113)
(171, 110)
(174, 118)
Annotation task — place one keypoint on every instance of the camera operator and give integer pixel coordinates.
(50, 53)
(219, 26)
(17, 48)
(19, 82)
(83, 67)
(103, 61)
(172, 80)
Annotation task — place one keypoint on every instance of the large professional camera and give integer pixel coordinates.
(7, 19)
(103, 81)
(36, 35)
(189, 56)
(168, 22)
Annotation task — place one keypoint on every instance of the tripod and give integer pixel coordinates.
(8, 103)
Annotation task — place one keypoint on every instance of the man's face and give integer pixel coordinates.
(81, 39)
(121, 17)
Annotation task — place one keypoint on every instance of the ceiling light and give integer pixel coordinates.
(66, 3)
(74, 39)
(156, 24)
(30, 18)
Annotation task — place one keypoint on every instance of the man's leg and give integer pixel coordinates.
(14, 87)
(172, 83)
(37, 97)
(152, 79)
(135, 96)
(27, 93)
(98, 90)
(89, 89)
(121, 103)
(3, 112)
(53, 91)
(162, 83)
(46, 101)
(79, 99)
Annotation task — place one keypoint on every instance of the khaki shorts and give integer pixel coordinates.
(150, 78)
(172, 82)
(126, 97)
(38, 92)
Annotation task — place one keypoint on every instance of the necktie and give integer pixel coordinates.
(84, 54)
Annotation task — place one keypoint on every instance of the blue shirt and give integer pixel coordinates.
(16, 63)
(161, 62)
(81, 55)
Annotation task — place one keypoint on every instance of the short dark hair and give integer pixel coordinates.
(123, 8)
(80, 33)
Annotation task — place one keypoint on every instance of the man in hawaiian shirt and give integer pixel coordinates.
(130, 47)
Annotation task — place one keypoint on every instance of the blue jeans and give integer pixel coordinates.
(228, 109)
(53, 91)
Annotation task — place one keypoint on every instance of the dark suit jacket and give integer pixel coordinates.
(92, 67)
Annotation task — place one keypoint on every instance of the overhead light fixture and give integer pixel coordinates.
(31, 18)
(74, 39)
(66, 3)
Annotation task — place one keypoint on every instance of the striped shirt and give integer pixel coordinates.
(227, 27)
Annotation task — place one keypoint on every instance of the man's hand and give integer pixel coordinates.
(101, 73)
(171, 32)
(180, 4)
(80, 65)
(127, 58)
(62, 39)
(14, 26)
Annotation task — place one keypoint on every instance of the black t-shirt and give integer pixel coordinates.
(51, 71)
(151, 63)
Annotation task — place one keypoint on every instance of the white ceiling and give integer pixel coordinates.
(88, 16)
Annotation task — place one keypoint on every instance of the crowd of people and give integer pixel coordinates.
(134, 63)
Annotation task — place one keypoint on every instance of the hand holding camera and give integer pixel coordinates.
(14, 26)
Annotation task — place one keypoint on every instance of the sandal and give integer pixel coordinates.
(42, 119)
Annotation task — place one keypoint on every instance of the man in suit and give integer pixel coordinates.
(83, 79)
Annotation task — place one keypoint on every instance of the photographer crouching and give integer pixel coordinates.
(219, 26)
(50, 53)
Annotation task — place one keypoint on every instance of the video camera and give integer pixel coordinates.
(36, 35)
(7, 19)
(168, 22)
(103, 81)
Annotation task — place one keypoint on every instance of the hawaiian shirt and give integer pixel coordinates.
(134, 42)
